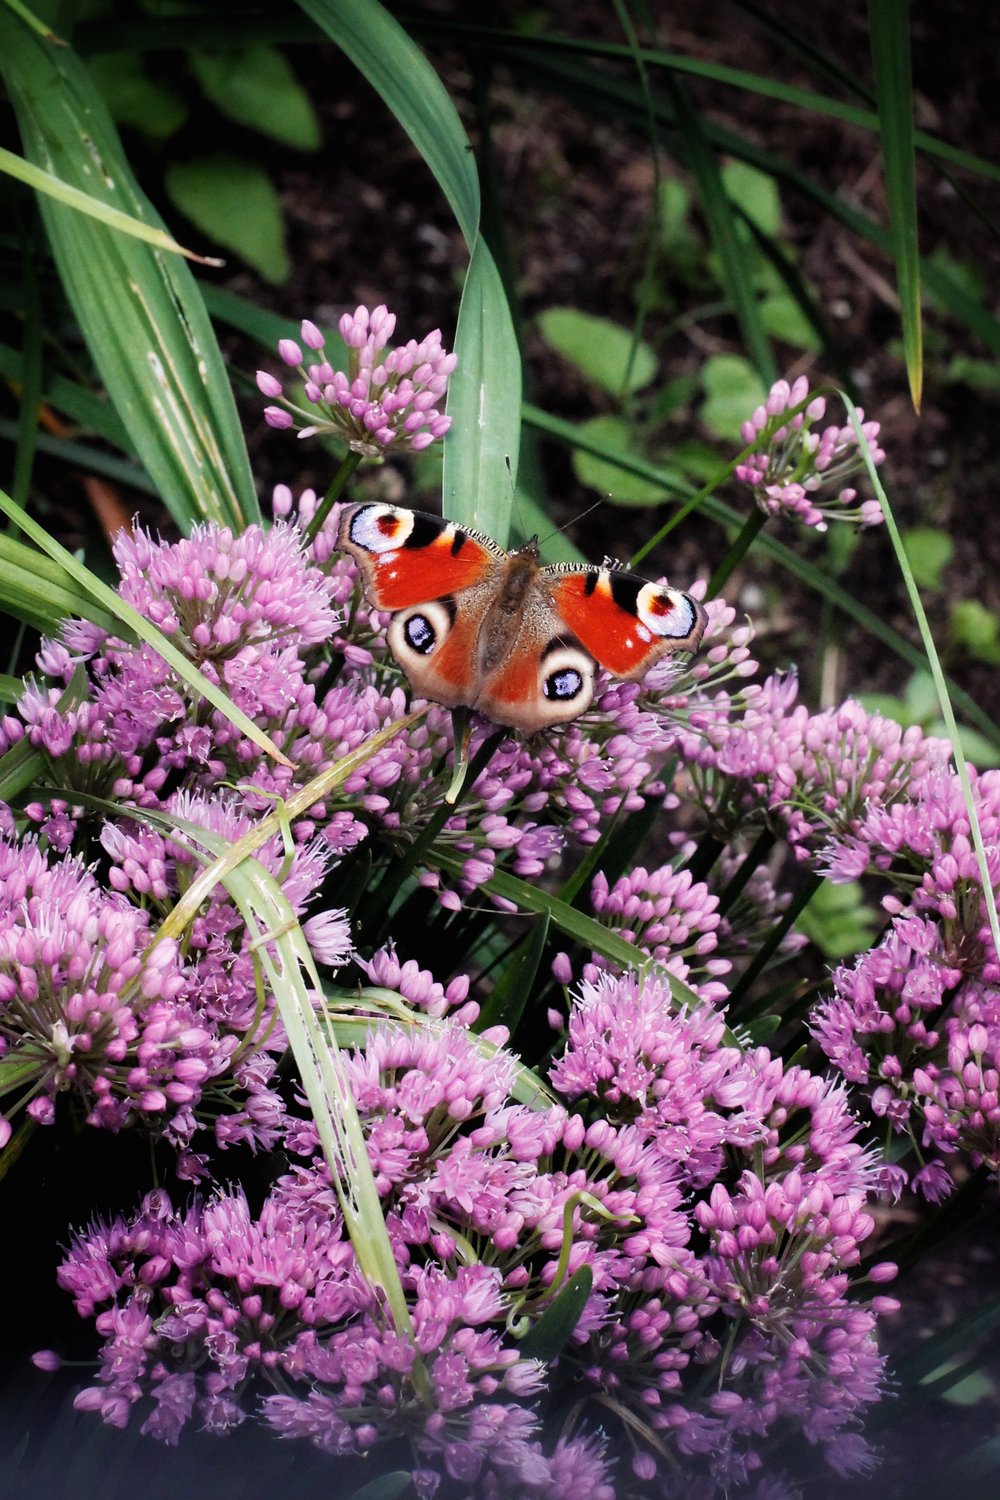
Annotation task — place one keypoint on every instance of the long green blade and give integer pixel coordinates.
(890, 43)
(485, 391)
(139, 309)
(109, 603)
(62, 192)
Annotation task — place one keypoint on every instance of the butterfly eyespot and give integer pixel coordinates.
(380, 528)
(420, 634)
(416, 634)
(563, 686)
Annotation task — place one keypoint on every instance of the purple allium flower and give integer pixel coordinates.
(791, 463)
(387, 396)
(87, 1008)
(814, 776)
(916, 1021)
(728, 1259)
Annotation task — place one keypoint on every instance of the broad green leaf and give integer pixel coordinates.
(838, 921)
(484, 397)
(257, 87)
(232, 199)
(929, 550)
(733, 388)
(618, 486)
(977, 629)
(602, 350)
(139, 309)
(756, 192)
(889, 29)
(784, 319)
(133, 98)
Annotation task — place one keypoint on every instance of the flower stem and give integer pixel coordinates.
(748, 534)
(333, 494)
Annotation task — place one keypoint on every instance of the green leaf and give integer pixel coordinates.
(506, 1002)
(838, 920)
(733, 388)
(784, 319)
(756, 192)
(980, 375)
(929, 550)
(484, 394)
(618, 486)
(82, 203)
(551, 1333)
(890, 43)
(133, 98)
(257, 87)
(140, 312)
(38, 592)
(602, 350)
(484, 403)
(233, 200)
(977, 629)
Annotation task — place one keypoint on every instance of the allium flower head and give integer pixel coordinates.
(791, 463)
(388, 396)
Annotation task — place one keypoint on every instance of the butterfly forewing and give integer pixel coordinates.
(408, 557)
(625, 622)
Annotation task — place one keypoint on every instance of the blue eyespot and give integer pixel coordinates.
(564, 685)
(420, 635)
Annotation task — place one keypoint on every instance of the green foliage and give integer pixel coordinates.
(839, 921)
(257, 87)
(732, 389)
(233, 201)
(605, 353)
(977, 629)
(133, 98)
(616, 484)
(929, 550)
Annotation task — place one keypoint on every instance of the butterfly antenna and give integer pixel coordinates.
(559, 530)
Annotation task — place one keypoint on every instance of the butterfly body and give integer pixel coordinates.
(475, 626)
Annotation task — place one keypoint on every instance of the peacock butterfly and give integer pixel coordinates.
(495, 631)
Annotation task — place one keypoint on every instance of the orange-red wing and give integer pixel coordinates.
(624, 622)
(612, 633)
(408, 558)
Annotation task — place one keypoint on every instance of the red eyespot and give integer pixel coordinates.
(660, 604)
(388, 525)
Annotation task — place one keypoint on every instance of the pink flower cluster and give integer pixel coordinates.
(386, 397)
(916, 1021)
(715, 1203)
(790, 463)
